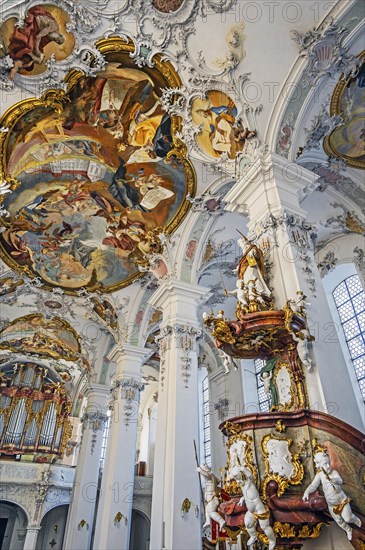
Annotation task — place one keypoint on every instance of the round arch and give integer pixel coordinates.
(140, 531)
(13, 525)
(53, 526)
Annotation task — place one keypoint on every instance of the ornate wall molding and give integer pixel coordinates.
(346, 221)
(127, 390)
(328, 263)
(359, 259)
(94, 421)
(185, 338)
(325, 51)
(323, 125)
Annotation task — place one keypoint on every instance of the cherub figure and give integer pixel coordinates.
(337, 501)
(266, 378)
(240, 292)
(228, 362)
(256, 509)
(253, 294)
(211, 496)
(303, 338)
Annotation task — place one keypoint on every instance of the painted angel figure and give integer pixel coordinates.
(257, 511)
(211, 496)
(337, 501)
(302, 339)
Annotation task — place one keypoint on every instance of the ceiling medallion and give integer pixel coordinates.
(53, 304)
(167, 6)
(93, 171)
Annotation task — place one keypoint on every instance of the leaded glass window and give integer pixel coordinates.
(206, 423)
(349, 297)
(264, 401)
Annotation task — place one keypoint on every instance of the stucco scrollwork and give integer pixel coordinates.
(325, 51)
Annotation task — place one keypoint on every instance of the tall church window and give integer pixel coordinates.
(206, 423)
(263, 399)
(349, 297)
(104, 442)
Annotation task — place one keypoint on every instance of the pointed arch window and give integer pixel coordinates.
(349, 297)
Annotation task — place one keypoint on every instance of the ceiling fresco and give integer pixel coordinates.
(36, 334)
(93, 171)
(31, 42)
(348, 100)
(221, 129)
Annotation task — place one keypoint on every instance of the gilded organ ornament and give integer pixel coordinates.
(36, 402)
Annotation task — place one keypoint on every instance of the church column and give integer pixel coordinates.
(82, 509)
(30, 541)
(270, 191)
(175, 478)
(116, 496)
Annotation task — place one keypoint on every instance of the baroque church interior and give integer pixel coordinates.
(182, 271)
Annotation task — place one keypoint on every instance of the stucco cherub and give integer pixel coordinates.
(240, 292)
(302, 339)
(337, 500)
(228, 362)
(211, 496)
(257, 512)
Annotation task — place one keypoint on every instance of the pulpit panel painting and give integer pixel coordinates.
(94, 171)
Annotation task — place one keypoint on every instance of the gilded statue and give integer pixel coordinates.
(252, 292)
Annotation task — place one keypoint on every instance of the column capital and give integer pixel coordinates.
(122, 352)
(179, 301)
(96, 389)
(129, 360)
(33, 528)
(272, 184)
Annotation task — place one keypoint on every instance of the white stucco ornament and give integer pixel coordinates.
(256, 509)
(211, 497)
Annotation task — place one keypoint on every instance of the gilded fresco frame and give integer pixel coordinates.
(335, 110)
(54, 99)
